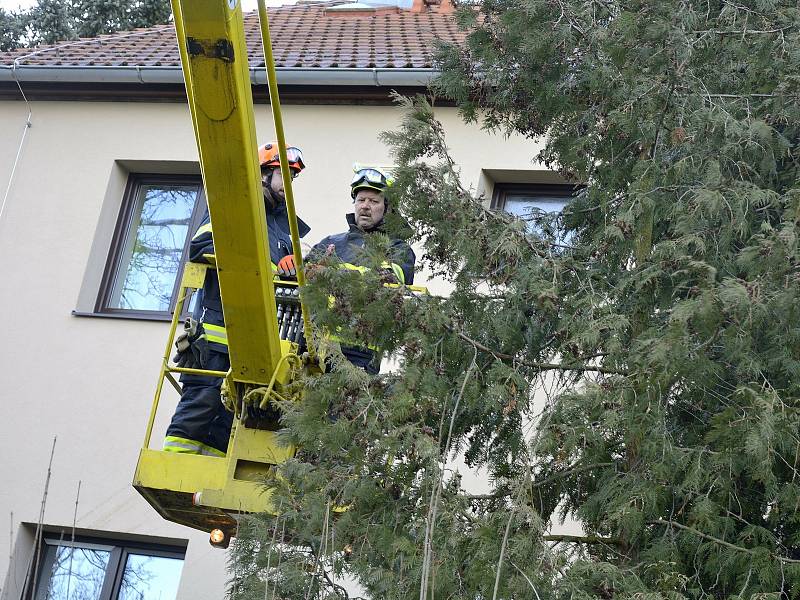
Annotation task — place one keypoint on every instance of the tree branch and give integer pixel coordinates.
(719, 541)
(536, 484)
(581, 539)
(740, 31)
(542, 366)
(572, 471)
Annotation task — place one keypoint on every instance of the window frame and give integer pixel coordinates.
(119, 237)
(118, 549)
(503, 190)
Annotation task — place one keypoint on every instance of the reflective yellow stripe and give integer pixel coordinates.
(207, 450)
(181, 445)
(216, 333)
(186, 446)
(353, 267)
(211, 259)
(203, 229)
(396, 269)
(274, 268)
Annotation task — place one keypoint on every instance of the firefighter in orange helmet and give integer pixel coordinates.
(201, 424)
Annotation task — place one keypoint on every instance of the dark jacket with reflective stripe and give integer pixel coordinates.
(348, 247)
(201, 250)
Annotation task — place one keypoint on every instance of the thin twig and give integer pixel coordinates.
(436, 493)
(504, 543)
(37, 541)
(528, 579)
(72, 538)
(269, 550)
(581, 539)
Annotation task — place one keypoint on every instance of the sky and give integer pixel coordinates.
(246, 4)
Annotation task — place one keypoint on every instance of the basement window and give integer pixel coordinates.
(99, 569)
(158, 216)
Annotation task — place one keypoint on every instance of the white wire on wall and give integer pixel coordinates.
(28, 125)
(29, 117)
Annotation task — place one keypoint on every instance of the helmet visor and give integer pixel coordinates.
(295, 156)
(370, 176)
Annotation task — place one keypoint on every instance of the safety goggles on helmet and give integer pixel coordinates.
(268, 156)
(370, 178)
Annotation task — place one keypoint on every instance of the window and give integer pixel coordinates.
(96, 569)
(522, 200)
(159, 215)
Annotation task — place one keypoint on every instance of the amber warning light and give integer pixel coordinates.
(218, 539)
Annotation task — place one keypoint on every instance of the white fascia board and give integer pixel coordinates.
(165, 75)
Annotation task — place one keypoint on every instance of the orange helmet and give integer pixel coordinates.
(268, 156)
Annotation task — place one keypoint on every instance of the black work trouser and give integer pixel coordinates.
(200, 414)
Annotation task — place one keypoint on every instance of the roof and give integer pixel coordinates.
(307, 35)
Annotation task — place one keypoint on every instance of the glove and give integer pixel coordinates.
(287, 268)
(192, 346)
(199, 349)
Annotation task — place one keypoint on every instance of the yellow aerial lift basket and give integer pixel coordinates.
(206, 492)
(264, 318)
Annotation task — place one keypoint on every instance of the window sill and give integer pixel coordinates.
(128, 316)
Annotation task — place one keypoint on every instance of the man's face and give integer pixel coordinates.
(277, 181)
(369, 208)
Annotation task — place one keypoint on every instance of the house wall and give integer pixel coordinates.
(88, 382)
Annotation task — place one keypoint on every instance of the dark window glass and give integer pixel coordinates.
(91, 569)
(158, 217)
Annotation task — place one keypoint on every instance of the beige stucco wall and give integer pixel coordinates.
(89, 381)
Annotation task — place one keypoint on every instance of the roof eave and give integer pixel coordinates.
(380, 77)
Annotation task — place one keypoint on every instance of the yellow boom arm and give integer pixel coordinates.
(221, 103)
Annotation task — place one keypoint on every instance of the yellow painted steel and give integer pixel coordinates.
(207, 492)
(217, 77)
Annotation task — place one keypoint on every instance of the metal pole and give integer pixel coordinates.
(275, 103)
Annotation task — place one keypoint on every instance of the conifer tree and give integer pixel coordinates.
(51, 21)
(12, 29)
(633, 362)
(48, 22)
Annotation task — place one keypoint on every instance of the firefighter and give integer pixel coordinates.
(201, 424)
(368, 190)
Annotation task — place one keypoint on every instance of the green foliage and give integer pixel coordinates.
(641, 378)
(51, 21)
(12, 29)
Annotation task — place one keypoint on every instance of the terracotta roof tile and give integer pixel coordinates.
(303, 35)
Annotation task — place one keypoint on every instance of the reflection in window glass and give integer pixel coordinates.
(150, 578)
(74, 573)
(521, 206)
(526, 206)
(151, 257)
